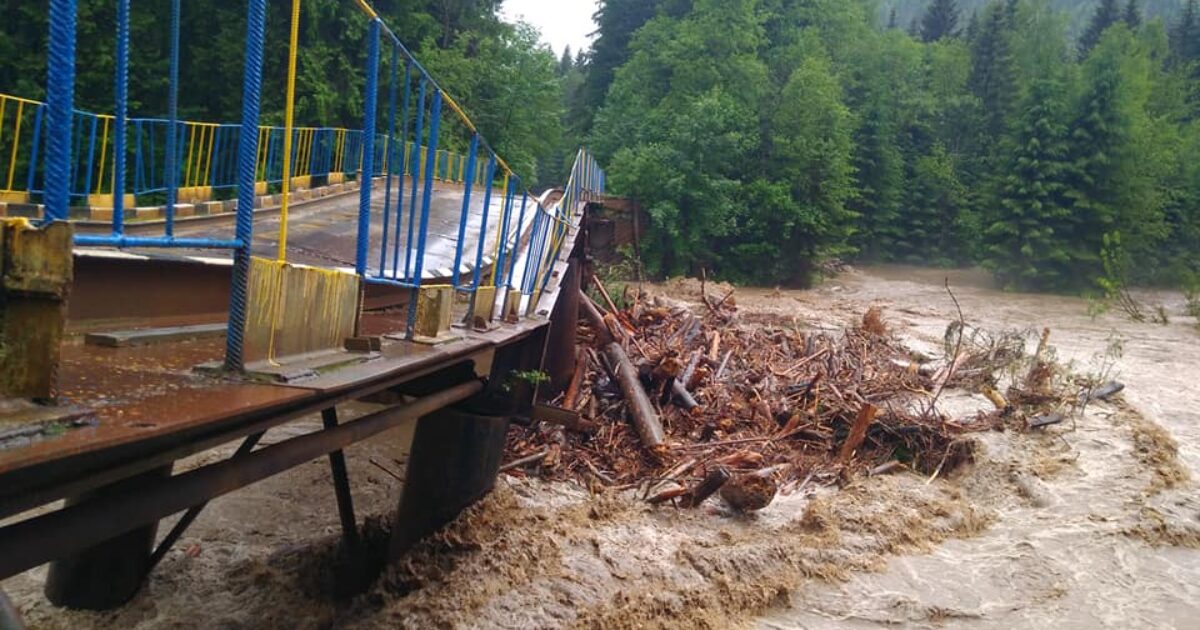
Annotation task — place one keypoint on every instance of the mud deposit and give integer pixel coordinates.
(1089, 524)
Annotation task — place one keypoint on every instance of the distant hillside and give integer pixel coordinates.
(1080, 10)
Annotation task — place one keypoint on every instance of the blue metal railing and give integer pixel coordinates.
(74, 154)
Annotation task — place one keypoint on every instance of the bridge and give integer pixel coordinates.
(173, 286)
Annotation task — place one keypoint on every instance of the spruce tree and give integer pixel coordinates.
(1098, 144)
(993, 71)
(940, 21)
(1133, 15)
(1024, 233)
(566, 62)
(1107, 14)
(1185, 36)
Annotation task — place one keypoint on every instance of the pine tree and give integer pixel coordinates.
(566, 62)
(1133, 15)
(993, 71)
(940, 21)
(1098, 144)
(1107, 14)
(1023, 234)
(1185, 36)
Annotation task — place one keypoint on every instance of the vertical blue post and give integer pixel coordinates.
(427, 196)
(506, 218)
(368, 159)
(37, 135)
(172, 163)
(466, 208)
(435, 119)
(256, 19)
(487, 205)
(389, 147)
(533, 259)
(60, 97)
(122, 88)
(403, 166)
(517, 244)
(419, 130)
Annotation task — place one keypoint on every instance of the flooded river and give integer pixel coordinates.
(1091, 524)
(1077, 555)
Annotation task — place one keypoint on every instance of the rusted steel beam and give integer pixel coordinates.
(32, 542)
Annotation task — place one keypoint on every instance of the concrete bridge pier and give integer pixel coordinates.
(107, 574)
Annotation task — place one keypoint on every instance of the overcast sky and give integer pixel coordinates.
(562, 22)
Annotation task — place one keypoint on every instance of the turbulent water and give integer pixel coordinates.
(1091, 524)
(1077, 553)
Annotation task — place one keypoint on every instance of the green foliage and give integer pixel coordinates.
(764, 135)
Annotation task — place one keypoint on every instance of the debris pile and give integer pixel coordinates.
(689, 404)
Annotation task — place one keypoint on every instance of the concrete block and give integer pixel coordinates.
(14, 197)
(106, 201)
(27, 210)
(149, 212)
(183, 210)
(211, 207)
(435, 306)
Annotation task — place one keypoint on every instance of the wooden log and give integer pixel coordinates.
(594, 319)
(566, 418)
(572, 394)
(641, 411)
(707, 487)
(525, 461)
(858, 432)
(683, 396)
(1045, 420)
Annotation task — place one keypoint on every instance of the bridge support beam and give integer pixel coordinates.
(564, 320)
(454, 462)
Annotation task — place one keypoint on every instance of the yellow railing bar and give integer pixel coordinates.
(12, 160)
(212, 141)
(289, 119)
(103, 158)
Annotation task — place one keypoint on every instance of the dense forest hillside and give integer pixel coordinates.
(765, 135)
(1078, 12)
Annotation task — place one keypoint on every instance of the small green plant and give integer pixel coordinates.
(1117, 262)
(530, 377)
(1191, 294)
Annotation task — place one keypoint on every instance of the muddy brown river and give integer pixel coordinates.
(1090, 524)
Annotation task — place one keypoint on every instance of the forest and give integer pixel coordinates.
(1054, 142)
(763, 136)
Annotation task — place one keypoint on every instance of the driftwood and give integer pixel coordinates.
(641, 411)
(572, 393)
(566, 418)
(1045, 420)
(1106, 391)
(595, 318)
(751, 491)
(712, 482)
(524, 461)
(858, 432)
